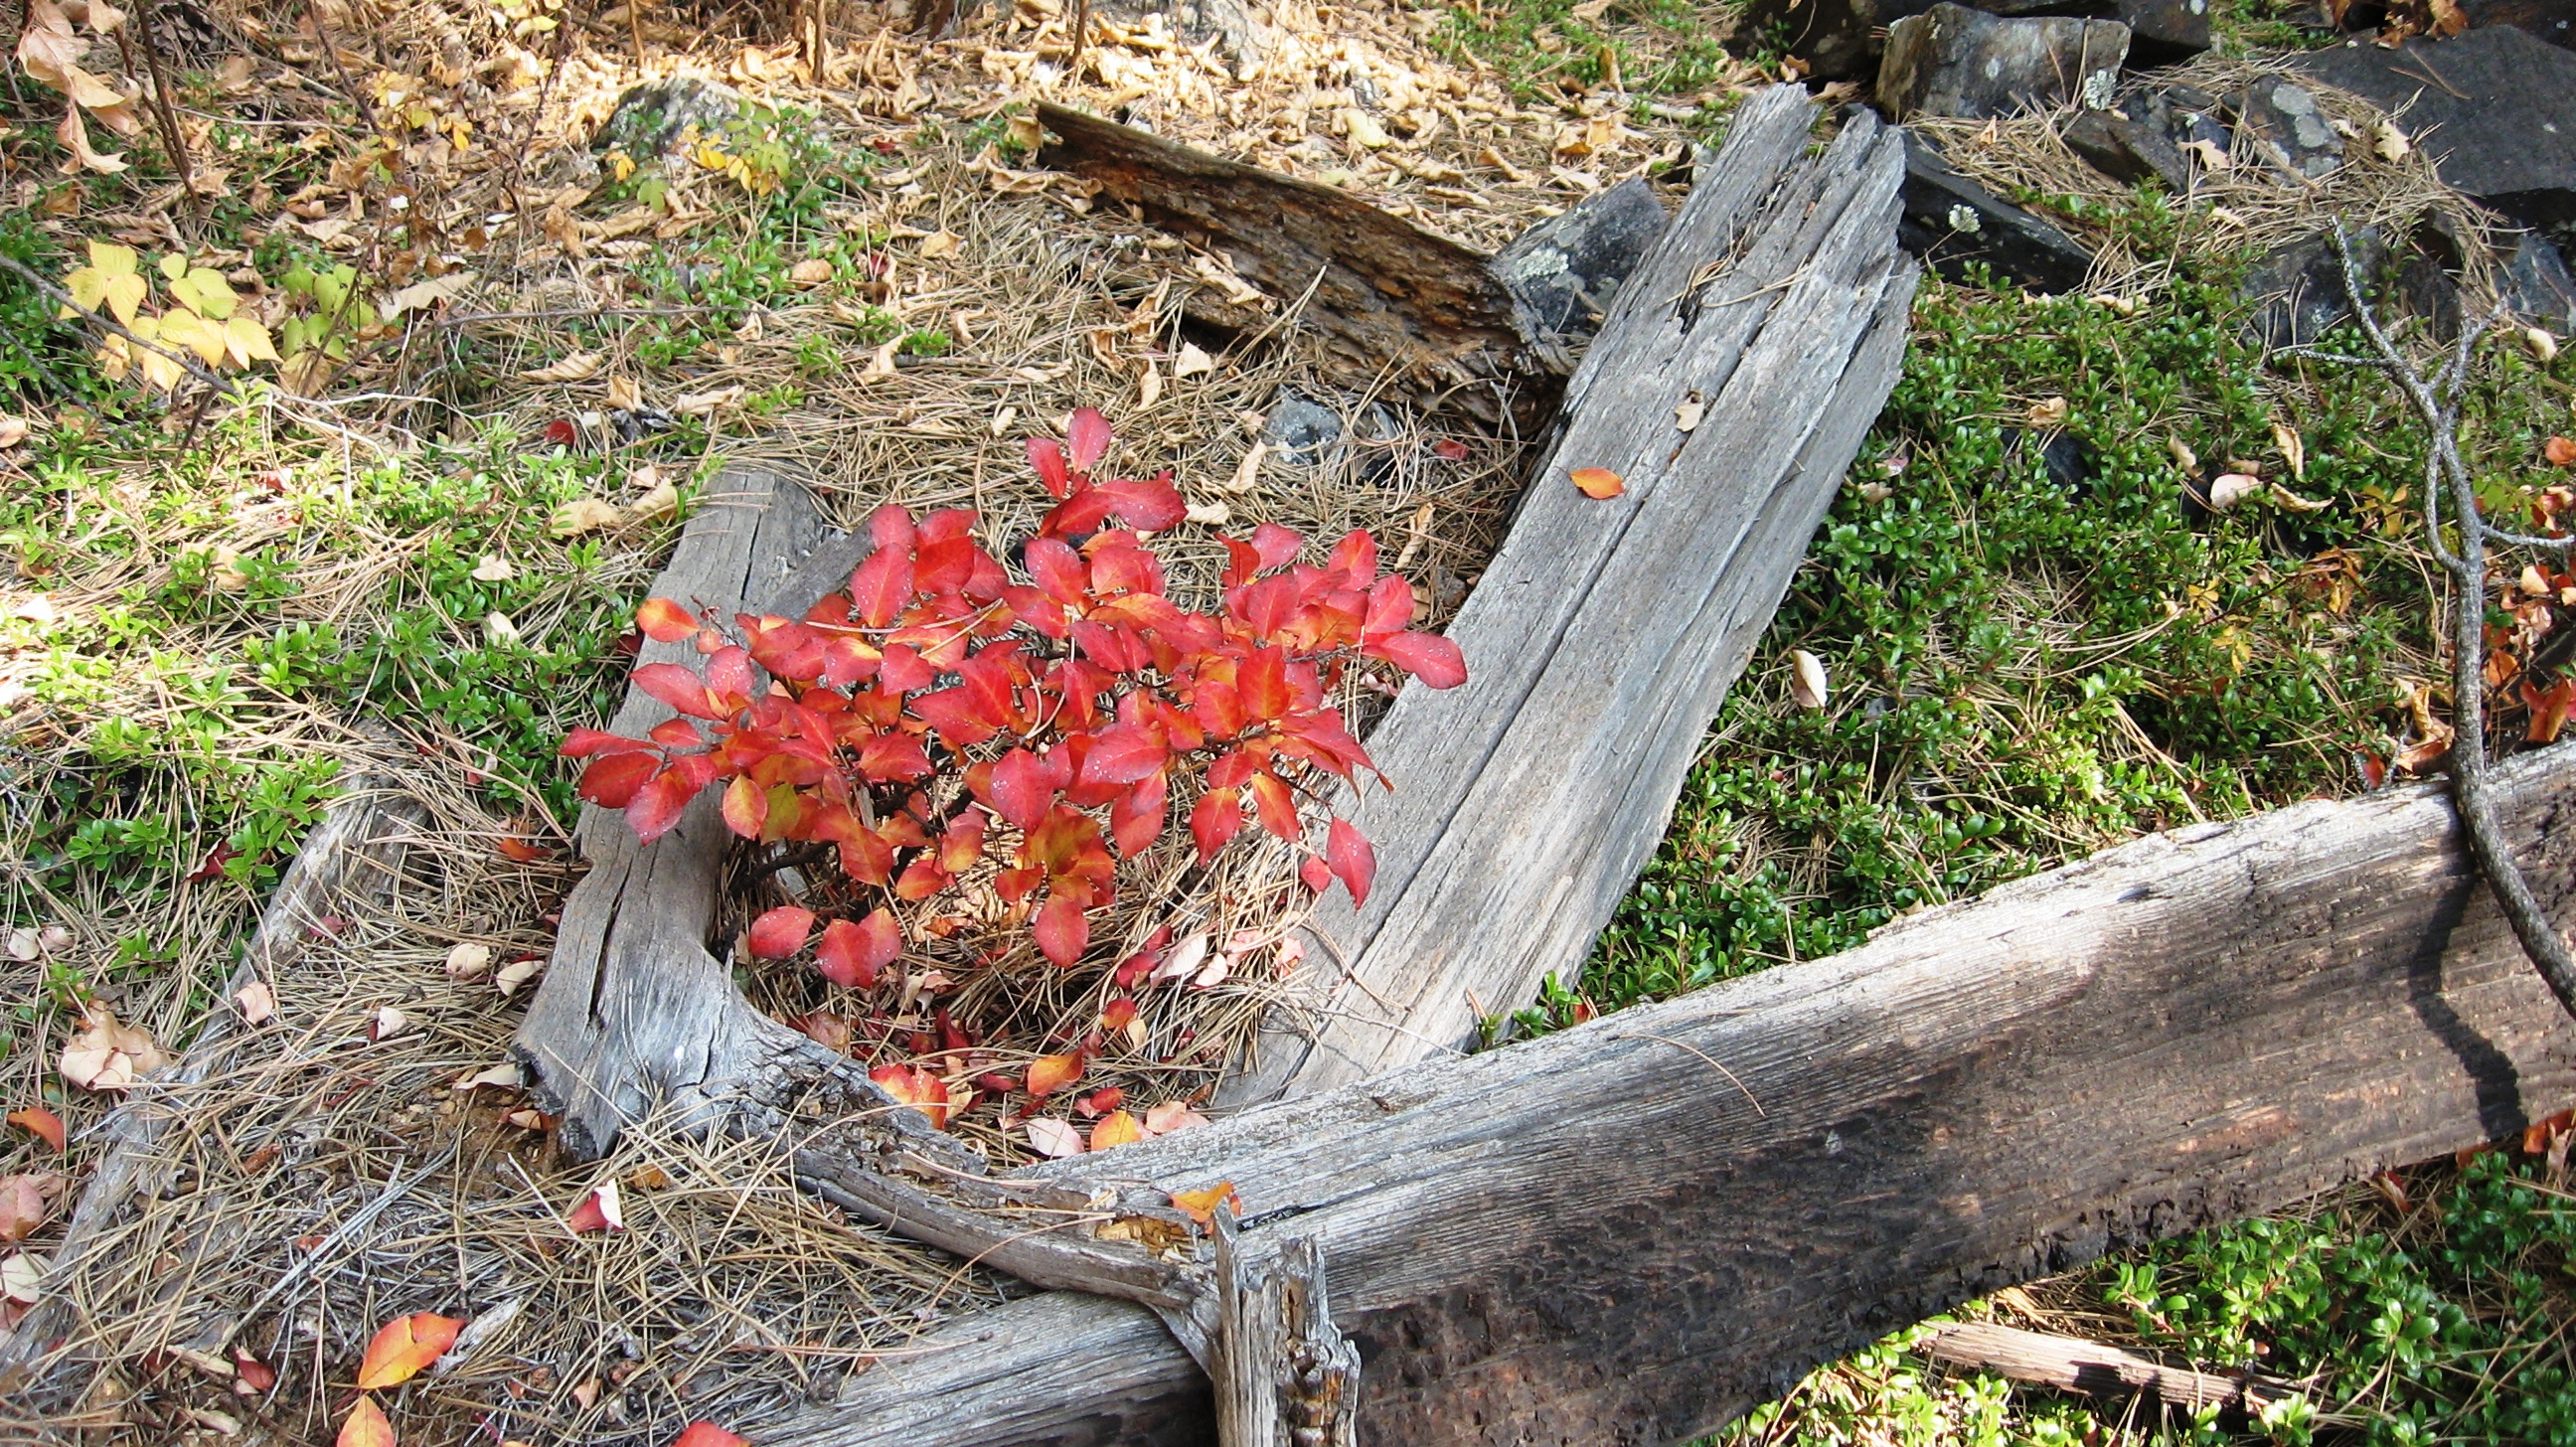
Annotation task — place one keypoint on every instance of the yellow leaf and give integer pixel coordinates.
(1117, 1128)
(88, 286)
(189, 330)
(248, 342)
(173, 266)
(113, 259)
(207, 290)
(125, 294)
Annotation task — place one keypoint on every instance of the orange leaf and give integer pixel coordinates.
(664, 621)
(520, 851)
(917, 1088)
(2561, 452)
(1116, 1128)
(405, 1346)
(2549, 707)
(1200, 1205)
(366, 1426)
(1051, 1073)
(708, 1434)
(251, 1376)
(2535, 1136)
(41, 1123)
(1599, 482)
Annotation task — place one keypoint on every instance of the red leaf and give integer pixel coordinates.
(1152, 503)
(855, 954)
(601, 1210)
(1020, 791)
(1123, 754)
(1275, 546)
(678, 687)
(1088, 433)
(1315, 874)
(1449, 449)
(2549, 708)
(708, 1434)
(251, 1376)
(520, 851)
(582, 743)
(41, 1123)
(1046, 455)
(781, 932)
(1136, 817)
(1278, 807)
(401, 1348)
(1262, 683)
(664, 621)
(562, 433)
(1352, 857)
(1355, 556)
(1061, 929)
(881, 586)
(658, 805)
(611, 782)
(917, 1088)
(1214, 819)
(1058, 571)
(891, 526)
(1427, 656)
(1117, 1014)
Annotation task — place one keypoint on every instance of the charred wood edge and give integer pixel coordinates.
(353, 858)
(635, 1015)
(1285, 1375)
(1391, 300)
(2249, 982)
(2074, 1365)
(1612, 630)
(2437, 403)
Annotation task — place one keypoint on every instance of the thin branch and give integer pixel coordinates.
(2437, 403)
(186, 363)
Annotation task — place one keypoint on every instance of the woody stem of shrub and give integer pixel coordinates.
(2437, 402)
(163, 108)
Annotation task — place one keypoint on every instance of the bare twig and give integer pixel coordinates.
(2437, 402)
(163, 105)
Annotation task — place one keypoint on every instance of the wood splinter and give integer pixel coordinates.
(1285, 1376)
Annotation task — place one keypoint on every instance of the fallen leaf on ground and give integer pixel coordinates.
(386, 1023)
(1052, 1137)
(598, 1211)
(1807, 679)
(505, 1076)
(1170, 1116)
(467, 960)
(257, 1001)
(109, 1056)
(708, 1434)
(813, 271)
(403, 1346)
(1051, 1073)
(494, 569)
(1192, 361)
(251, 1376)
(26, 1201)
(1599, 482)
(1200, 1205)
(579, 367)
(511, 976)
(2293, 450)
(917, 1088)
(2230, 488)
(13, 430)
(41, 1123)
(366, 1427)
(2561, 451)
(1688, 411)
(1115, 1129)
(585, 515)
(2048, 412)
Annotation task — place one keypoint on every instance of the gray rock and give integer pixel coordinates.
(2536, 286)
(1953, 61)
(1239, 34)
(650, 118)
(1563, 271)
(2551, 20)
(2132, 142)
(1844, 39)
(2288, 129)
(2302, 291)
(1952, 222)
(2500, 128)
(1305, 431)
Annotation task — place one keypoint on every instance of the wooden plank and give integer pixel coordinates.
(1633, 1231)
(635, 1013)
(1603, 636)
(1388, 301)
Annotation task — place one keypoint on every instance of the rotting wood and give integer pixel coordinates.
(354, 857)
(1604, 634)
(635, 1014)
(2074, 1365)
(1634, 1230)
(1392, 303)
(1285, 1377)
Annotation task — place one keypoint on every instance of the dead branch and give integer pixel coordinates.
(2072, 1364)
(2437, 402)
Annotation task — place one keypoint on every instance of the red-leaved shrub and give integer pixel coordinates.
(1074, 700)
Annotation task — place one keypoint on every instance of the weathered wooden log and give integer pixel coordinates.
(1733, 380)
(1390, 302)
(1632, 1231)
(350, 860)
(1285, 1376)
(636, 1012)
(2073, 1365)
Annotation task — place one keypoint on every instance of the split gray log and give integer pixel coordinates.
(2073, 1365)
(1604, 634)
(1285, 1377)
(637, 1012)
(1635, 1230)
(352, 860)
(1390, 302)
